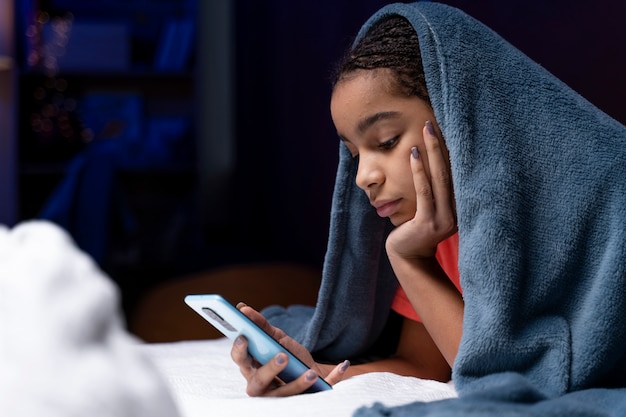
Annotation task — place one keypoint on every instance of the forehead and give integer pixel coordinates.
(365, 93)
(372, 81)
(362, 90)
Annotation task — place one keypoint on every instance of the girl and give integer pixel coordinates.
(382, 113)
(463, 131)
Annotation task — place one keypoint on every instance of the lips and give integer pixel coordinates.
(386, 208)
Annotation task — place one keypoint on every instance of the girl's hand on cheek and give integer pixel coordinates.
(435, 215)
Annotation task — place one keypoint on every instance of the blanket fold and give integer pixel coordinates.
(355, 250)
(539, 176)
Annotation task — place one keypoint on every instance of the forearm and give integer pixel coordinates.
(396, 365)
(435, 299)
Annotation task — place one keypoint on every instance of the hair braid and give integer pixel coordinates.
(390, 43)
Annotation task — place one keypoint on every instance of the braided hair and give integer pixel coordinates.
(391, 43)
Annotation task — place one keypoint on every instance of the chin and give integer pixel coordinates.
(398, 220)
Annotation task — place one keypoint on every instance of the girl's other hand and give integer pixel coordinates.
(435, 214)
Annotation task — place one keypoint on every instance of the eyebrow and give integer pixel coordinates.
(371, 120)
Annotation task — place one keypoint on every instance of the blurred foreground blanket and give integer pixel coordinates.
(63, 348)
(540, 184)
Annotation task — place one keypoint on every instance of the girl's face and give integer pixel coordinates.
(380, 128)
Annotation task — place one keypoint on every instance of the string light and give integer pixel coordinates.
(53, 119)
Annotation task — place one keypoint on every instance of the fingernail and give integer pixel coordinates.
(240, 305)
(280, 359)
(415, 152)
(239, 341)
(344, 366)
(430, 127)
(310, 376)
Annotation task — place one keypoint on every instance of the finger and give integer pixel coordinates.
(437, 163)
(252, 314)
(264, 379)
(261, 321)
(338, 373)
(239, 354)
(297, 386)
(441, 180)
(260, 379)
(421, 181)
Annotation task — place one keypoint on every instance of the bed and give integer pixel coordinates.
(65, 349)
(204, 381)
(195, 362)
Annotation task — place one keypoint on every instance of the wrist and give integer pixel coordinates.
(425, 256)
(416, 269)
(401, 250)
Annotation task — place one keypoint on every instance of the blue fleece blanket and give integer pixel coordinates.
(540, 185)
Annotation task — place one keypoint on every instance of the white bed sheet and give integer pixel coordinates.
(205, 382)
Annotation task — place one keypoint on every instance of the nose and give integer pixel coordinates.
(368, 174)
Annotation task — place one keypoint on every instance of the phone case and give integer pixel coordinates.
(231, 322)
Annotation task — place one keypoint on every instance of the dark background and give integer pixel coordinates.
(151, 222)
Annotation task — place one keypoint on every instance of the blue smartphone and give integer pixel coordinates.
(231, 322)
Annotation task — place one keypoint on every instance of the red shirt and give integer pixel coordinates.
(448, 257)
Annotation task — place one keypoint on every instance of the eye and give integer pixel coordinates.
(388, 144)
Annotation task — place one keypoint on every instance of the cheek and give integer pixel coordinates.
(403, 179)
(406, 189)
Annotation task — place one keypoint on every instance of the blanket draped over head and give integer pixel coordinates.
(539, 177)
